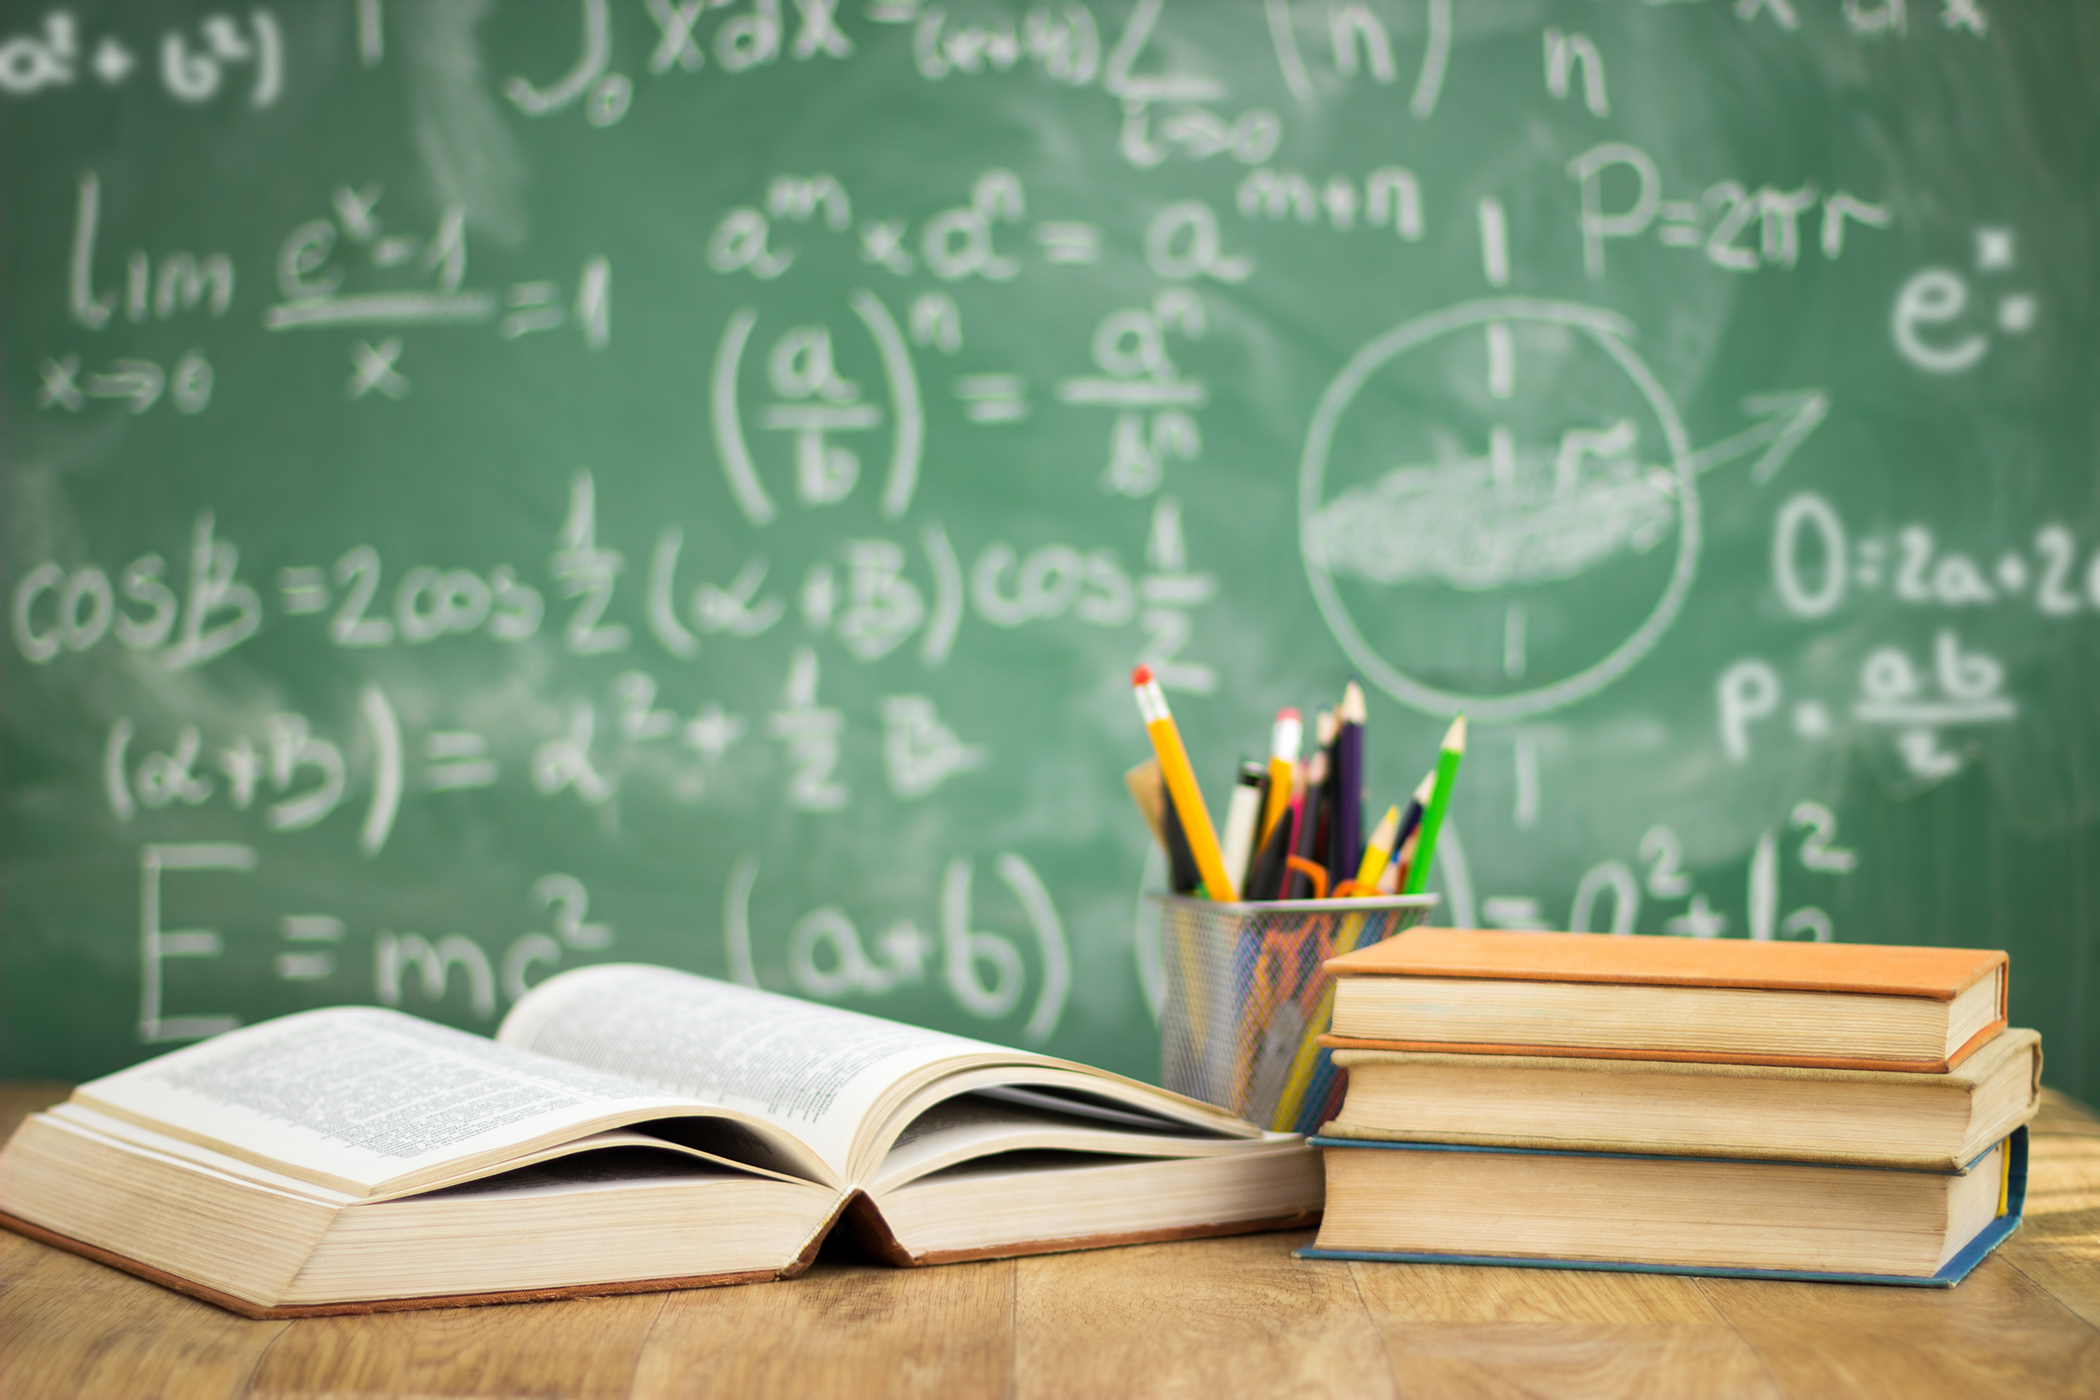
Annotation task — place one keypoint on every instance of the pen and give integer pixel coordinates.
(1345, 842)
(1242, 818)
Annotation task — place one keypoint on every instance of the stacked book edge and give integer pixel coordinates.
(1830, 1112)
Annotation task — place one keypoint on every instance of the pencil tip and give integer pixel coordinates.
(1353, 707)
(1455, 736)
(1141, 676)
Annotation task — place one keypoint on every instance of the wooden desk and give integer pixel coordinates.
(1209, 1318)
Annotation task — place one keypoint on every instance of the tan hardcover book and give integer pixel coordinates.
(629, 1128)
(1814, 1005)
(1439, 1203)
(1923, 1122)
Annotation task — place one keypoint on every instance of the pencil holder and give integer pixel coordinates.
(1247, 998)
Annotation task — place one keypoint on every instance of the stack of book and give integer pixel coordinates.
(1830, 1111)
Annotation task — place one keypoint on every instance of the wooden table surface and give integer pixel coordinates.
(1208, 1318)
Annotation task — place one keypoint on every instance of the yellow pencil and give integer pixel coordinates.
(1377, 851)
(1181, 786)
(1284, 740)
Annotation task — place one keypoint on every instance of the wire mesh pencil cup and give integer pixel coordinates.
(1247, 999)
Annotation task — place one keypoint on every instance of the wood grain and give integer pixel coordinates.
(2058, 1244)
(1999, 1333)
(586, 1348)
(1484, 1331)
(1210, 1318)
(69, 1327)
(839, 1330)
(1239, 1318)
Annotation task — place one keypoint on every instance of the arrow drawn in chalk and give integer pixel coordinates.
(140, 381)
(1788, 418)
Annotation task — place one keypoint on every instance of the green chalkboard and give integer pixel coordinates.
(494, 489)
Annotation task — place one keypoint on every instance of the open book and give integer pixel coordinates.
(630, 1127)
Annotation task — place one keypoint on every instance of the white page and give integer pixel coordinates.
(816, 1070)
(357, 1097)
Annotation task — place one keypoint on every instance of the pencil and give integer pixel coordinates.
(1305, 836)
(1447, 761)
(1182, 875)
(1181, 785)
(1284, 741)
(1413, 818)
(1150, 794)
(1265, 880)
(1404, 859)
(1378, 851)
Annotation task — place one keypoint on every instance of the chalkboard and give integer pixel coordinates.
(492, 490)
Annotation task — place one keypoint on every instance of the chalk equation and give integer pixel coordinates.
(984, 972)
(1819, 567)
(193, 64)
(1609, 897)
(1916, 698)
(968, 354)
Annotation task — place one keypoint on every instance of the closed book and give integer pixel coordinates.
(1445, 1203)
(1925, 1122)
(1815, 1005)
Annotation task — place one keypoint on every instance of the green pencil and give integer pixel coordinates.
(1433, 815)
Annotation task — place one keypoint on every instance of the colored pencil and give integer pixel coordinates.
(1412, 818)
(1285, 739)
(1181, 785)
(1404, 858)
(1149, 791)
(1453, 750)
(1378, 851)
(1182, 875)
(1305, 836)
(1265, 880)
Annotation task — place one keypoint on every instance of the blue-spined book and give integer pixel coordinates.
(1532, 1182)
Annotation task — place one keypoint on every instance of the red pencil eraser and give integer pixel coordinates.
(1141, 676)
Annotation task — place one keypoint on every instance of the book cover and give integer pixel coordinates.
(1858, 968)
(1967, 984)
(1695, 1108)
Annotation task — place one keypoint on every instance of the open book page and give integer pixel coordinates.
(77, 1117)
(817, 1071)
(359, 1098)
(73, 1118)
(981, 1124)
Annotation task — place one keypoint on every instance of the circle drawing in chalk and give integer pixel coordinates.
(1497, 508)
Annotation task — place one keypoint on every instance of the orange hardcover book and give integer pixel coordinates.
(1816, 1005)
